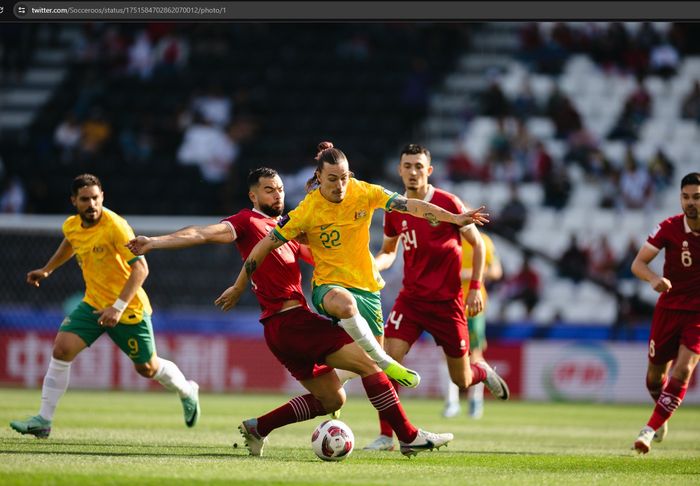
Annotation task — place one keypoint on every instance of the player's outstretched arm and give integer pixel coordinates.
(474, 303)
(386, 256)
(63, 253)
(184, 238)
(232, 295)
(433, 213)
(640, 268)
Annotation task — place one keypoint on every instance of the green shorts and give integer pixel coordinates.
(136, 340)
(368, 303)
(477, 331)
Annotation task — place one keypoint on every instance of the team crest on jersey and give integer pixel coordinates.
(404, 225)
(360, 214)
(98, 249)
(685, 245)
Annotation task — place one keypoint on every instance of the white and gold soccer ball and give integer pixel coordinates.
(332, 440)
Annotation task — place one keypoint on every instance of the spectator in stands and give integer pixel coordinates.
(171, 54)
(635, 183)
(208, 147)
(624, 265)
(690, 107)
(523, 286)
(67, 138)
(13, 198)
(513, 215)
(563, 114)
(95, 131)
(610, 187)
(557, 186)
(461, 167)
(523, 149)
(542, 163)
(664, 60)
(141, 58)
(602, 262)
(214, 106)
(525, 103)
(581, 144)
(573, 263)
(636, 111)
(661, 171)
(493, 101)
(597, 165)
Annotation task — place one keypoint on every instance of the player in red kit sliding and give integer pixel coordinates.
(675, 327)
(307, 344)
(431, 298)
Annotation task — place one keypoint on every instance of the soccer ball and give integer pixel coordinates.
(332, 440)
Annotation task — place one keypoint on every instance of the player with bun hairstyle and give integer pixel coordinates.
(307, 344)
(335, 216)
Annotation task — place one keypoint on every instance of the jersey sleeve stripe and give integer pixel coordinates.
(279, 235)
(130, 262)
(230, 226)
(387, 206)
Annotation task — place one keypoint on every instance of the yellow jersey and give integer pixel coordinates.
(105, 262)
(338, 234)
(468, 252)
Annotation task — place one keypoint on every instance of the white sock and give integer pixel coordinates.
(359, 330)
(170, 376)
(476, 392)
(55, 385)
(451, 393)
(344, 375)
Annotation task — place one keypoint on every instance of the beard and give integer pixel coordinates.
(691, 212)
(271, 211)
(90, 218)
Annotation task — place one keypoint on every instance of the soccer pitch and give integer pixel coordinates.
(140, 438)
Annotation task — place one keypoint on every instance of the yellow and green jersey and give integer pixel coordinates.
(105, 262)
(338, 234)
(468, 252)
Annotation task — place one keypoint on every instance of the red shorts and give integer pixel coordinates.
(444, 320)
(669, 329)
(301, 340)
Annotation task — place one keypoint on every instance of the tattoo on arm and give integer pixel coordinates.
(432, 219)
(400, 203)
(250, 267)
(273, 237)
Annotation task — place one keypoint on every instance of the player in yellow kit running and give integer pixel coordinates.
(335, 217)
(114, 303)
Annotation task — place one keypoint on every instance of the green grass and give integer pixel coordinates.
(140, 438)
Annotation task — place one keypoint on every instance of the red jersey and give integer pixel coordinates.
(278, 279)
(681, 263)
(432, 254)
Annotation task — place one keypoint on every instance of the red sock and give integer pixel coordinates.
(384, 426)
(668, 402)
(478, 374)
(655, 389)
(383, 397)
(297, 409)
